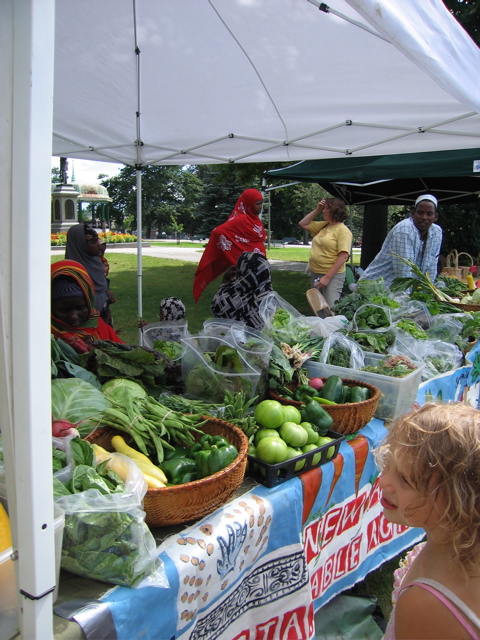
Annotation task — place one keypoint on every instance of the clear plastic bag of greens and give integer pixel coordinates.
(439, 357)
(211, 366)
(444, 327)
(105, 536)
(341, 351)
(276, 312)
(369, 288)
(372, 317)
(414, 310)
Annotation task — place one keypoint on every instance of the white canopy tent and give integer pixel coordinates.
(192, 81)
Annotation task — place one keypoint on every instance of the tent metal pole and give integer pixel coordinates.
(139, 251)
(28, 312)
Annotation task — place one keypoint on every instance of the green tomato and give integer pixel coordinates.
(291, 414)
(322, 440)
(311, 447)
(272, 450)
(252, 451)
(266, 433)
(312, 435)
(307, 425)
(293, 434)
(294, 453)
(269, 414)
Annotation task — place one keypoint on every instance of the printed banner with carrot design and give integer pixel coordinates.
(344, 532)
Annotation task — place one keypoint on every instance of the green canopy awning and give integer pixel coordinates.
(452, 176)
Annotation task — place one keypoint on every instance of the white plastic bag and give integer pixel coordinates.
(105, 536)
(338, 342)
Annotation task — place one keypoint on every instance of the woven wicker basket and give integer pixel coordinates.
(347, 418)
(193, 500)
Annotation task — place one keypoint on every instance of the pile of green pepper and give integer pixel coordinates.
(207, 456)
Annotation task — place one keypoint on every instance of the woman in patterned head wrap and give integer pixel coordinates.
(84, 246)
(240, 298)
(74, 318)
(243, 231)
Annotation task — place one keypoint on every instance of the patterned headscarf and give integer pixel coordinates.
(173, 309)
(79, 277)
(243, 231)
(240, 299)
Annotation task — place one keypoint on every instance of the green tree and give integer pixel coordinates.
(168, 193)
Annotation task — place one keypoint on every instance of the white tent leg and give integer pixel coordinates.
(26, 315)
(139, 251)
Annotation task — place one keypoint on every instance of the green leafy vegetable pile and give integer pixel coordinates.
(172, 350)
(395, 366)
(372, 317)
(412, 328)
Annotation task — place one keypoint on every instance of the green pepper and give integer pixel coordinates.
(209, 461)
(317, 416)
(176, 468)
(304, 390)
(346, 393)
(359, 394)
(332, 389)
(176, 452)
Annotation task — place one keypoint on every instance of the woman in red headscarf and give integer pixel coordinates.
(73, 316)
(243, 231)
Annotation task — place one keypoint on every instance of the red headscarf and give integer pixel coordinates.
(243, 231)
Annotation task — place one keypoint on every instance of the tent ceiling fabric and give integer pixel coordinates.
(207, 81)
(393, 179)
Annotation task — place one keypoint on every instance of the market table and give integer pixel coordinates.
(260, 566)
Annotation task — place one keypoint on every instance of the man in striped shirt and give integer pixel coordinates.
(416, 238)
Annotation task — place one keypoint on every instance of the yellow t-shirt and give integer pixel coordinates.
(328, 241)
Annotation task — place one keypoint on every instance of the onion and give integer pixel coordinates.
(316, 383)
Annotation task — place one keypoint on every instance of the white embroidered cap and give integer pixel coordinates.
(427, 196)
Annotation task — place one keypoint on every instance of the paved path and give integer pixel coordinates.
(188, 254)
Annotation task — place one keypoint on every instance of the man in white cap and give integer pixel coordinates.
(416, 238)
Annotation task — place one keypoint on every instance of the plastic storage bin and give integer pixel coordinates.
(205, 379)
(9, 622)
(172, 331)
(396, 394)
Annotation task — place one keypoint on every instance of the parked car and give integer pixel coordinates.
(291, 241)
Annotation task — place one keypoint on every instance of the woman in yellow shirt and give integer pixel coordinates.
(331, 246)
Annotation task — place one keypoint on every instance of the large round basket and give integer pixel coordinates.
(347, 418)
(193, 500)
(467, 306)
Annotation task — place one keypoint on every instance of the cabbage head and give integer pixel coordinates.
(116, 390)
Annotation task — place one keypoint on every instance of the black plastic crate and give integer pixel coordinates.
(273, 474)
